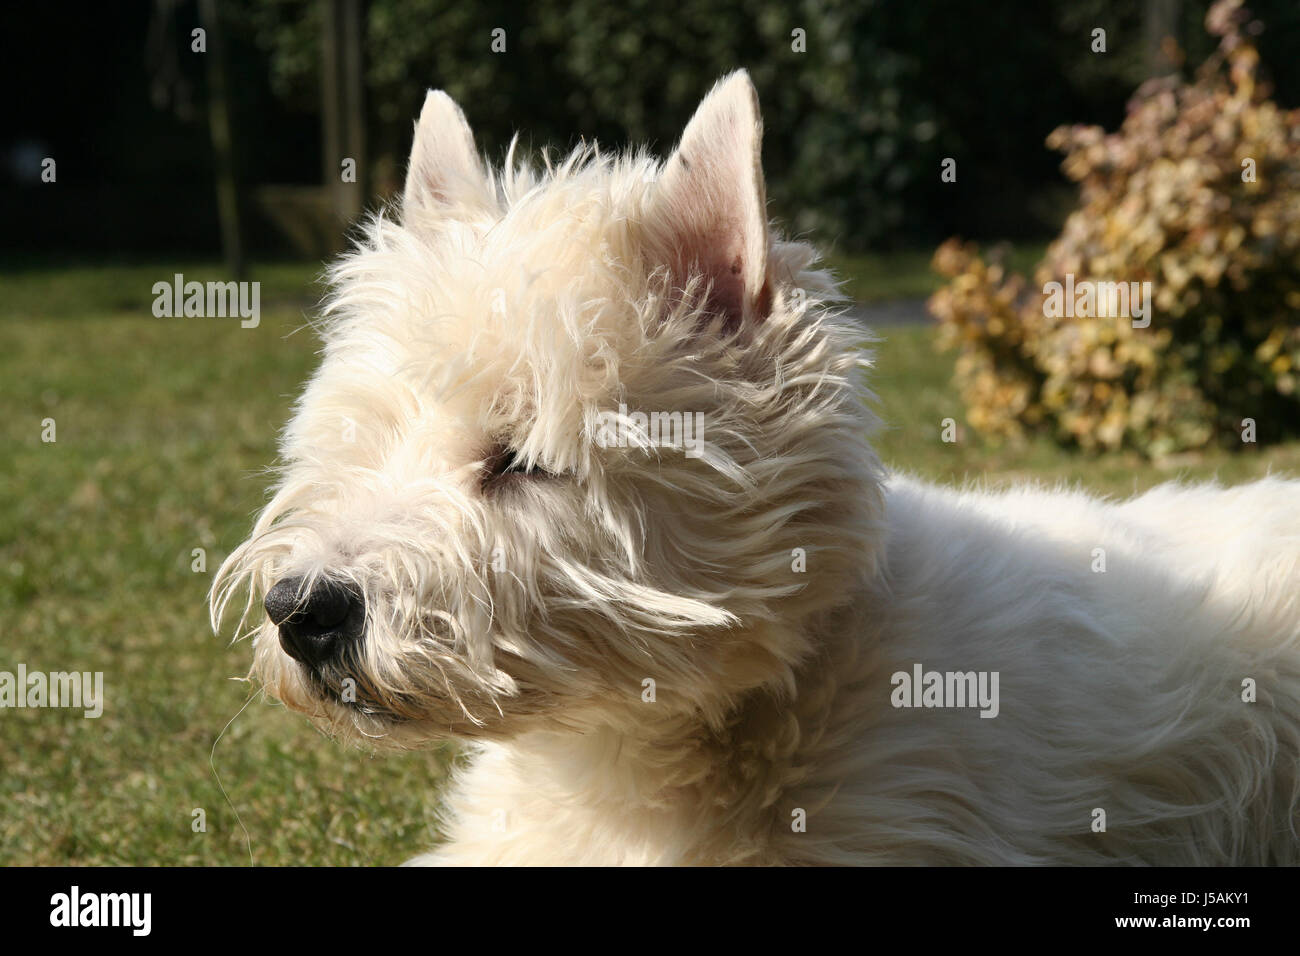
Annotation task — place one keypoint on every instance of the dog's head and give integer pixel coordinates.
(585, 446)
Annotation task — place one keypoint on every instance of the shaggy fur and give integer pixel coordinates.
(526, 610)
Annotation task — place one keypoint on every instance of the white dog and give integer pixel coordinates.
(584, 479)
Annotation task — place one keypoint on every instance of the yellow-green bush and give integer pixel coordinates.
(1198, 193)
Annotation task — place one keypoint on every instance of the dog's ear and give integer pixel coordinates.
(709, 213)
(444, 166)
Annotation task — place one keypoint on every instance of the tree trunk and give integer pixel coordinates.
(232, 248)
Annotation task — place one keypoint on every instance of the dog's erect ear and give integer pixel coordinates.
(710, 211)
(444, 164)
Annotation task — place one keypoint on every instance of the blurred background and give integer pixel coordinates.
(862, 101)
(950, 159)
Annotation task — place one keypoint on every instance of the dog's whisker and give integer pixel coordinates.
(212, 764)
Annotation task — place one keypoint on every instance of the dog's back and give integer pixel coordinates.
(1148, 682)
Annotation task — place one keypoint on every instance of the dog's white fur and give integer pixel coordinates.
(500, 317)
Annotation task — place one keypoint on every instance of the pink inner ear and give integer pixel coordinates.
(715, 252)
(711, 218)
(722, 251)
(722, 265)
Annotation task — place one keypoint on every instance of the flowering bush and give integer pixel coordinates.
(1198, 196)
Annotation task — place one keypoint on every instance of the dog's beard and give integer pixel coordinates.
(346, 700)
(343, 684)
(425, 665)
(407, 681)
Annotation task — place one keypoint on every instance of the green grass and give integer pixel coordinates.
(163, 426)
(878, 277)
(163, 429)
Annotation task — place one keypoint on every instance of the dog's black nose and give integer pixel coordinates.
(317, 625)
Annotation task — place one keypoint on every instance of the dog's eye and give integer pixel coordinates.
(504, 462)
(516, 467)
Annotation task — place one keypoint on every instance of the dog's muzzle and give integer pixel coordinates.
(316, 627)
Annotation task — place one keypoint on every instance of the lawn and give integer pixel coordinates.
(906, 274)
(164, 427)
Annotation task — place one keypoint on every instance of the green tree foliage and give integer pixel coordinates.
(856, 125)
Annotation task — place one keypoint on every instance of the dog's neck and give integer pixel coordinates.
(727, 784)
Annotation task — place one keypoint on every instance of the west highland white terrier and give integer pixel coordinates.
(584, 479)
